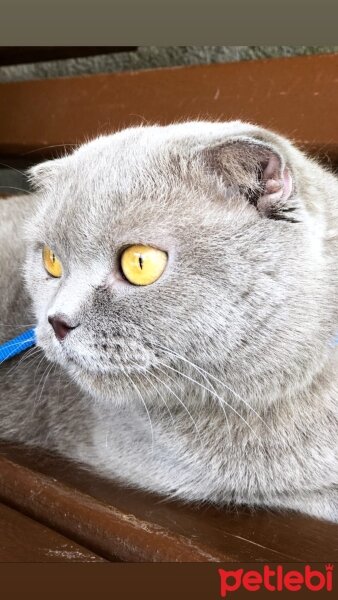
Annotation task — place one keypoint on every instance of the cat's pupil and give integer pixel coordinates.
(140, 260)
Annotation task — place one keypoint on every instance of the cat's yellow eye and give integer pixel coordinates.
(143, 265)
(51, 262)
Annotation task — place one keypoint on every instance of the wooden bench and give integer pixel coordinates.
(54, 510)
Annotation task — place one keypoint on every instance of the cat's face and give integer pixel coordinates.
(229, 295)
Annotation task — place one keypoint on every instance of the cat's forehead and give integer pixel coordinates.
(140, 161)
(137, 162)
(138, 179)
(130, 150)
(122, 164)
(131, 158)
(138, 144)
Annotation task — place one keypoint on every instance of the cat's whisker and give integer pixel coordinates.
(75, 145)
(32, 360)
(14, 325)
(40, 382)
(221, 405)
(37, 368)
(159, 394)
(59, 386)
(11, 187)
(145, 406)
(227, 387)
(44, 379)
(214, 394)
(12, 168)
(32, 352)
(174, 381)
(182, 404)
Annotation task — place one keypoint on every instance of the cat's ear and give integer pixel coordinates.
(42, 175)
(258, 171)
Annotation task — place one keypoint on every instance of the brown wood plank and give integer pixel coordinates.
(25, 540)
(296, 96)
(129, 525)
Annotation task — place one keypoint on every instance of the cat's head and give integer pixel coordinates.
(158, 247)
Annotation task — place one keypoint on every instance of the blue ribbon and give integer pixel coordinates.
(25, 340)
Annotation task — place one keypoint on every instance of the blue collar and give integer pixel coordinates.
(25, 340)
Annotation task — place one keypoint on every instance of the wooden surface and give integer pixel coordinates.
(25, 540)
(128, 525)
(296, 96)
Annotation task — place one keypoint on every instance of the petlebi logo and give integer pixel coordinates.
(276, 579)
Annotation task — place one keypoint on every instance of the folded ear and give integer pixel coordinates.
(258, 171)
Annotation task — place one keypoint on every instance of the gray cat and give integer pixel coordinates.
(184, 285)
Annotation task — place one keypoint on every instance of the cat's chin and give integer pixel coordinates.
(109, 387)
(79, 370)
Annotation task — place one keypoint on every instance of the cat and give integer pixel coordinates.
(183, 281)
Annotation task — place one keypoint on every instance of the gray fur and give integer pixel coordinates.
(219, 382)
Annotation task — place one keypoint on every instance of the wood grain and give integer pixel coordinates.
(296, 96)
(25, 540)
(128, 525)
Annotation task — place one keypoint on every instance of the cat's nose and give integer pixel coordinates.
(60, 326)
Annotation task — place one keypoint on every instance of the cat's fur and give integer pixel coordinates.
(219, 382)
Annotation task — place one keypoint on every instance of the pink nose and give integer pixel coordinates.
(61, 328)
